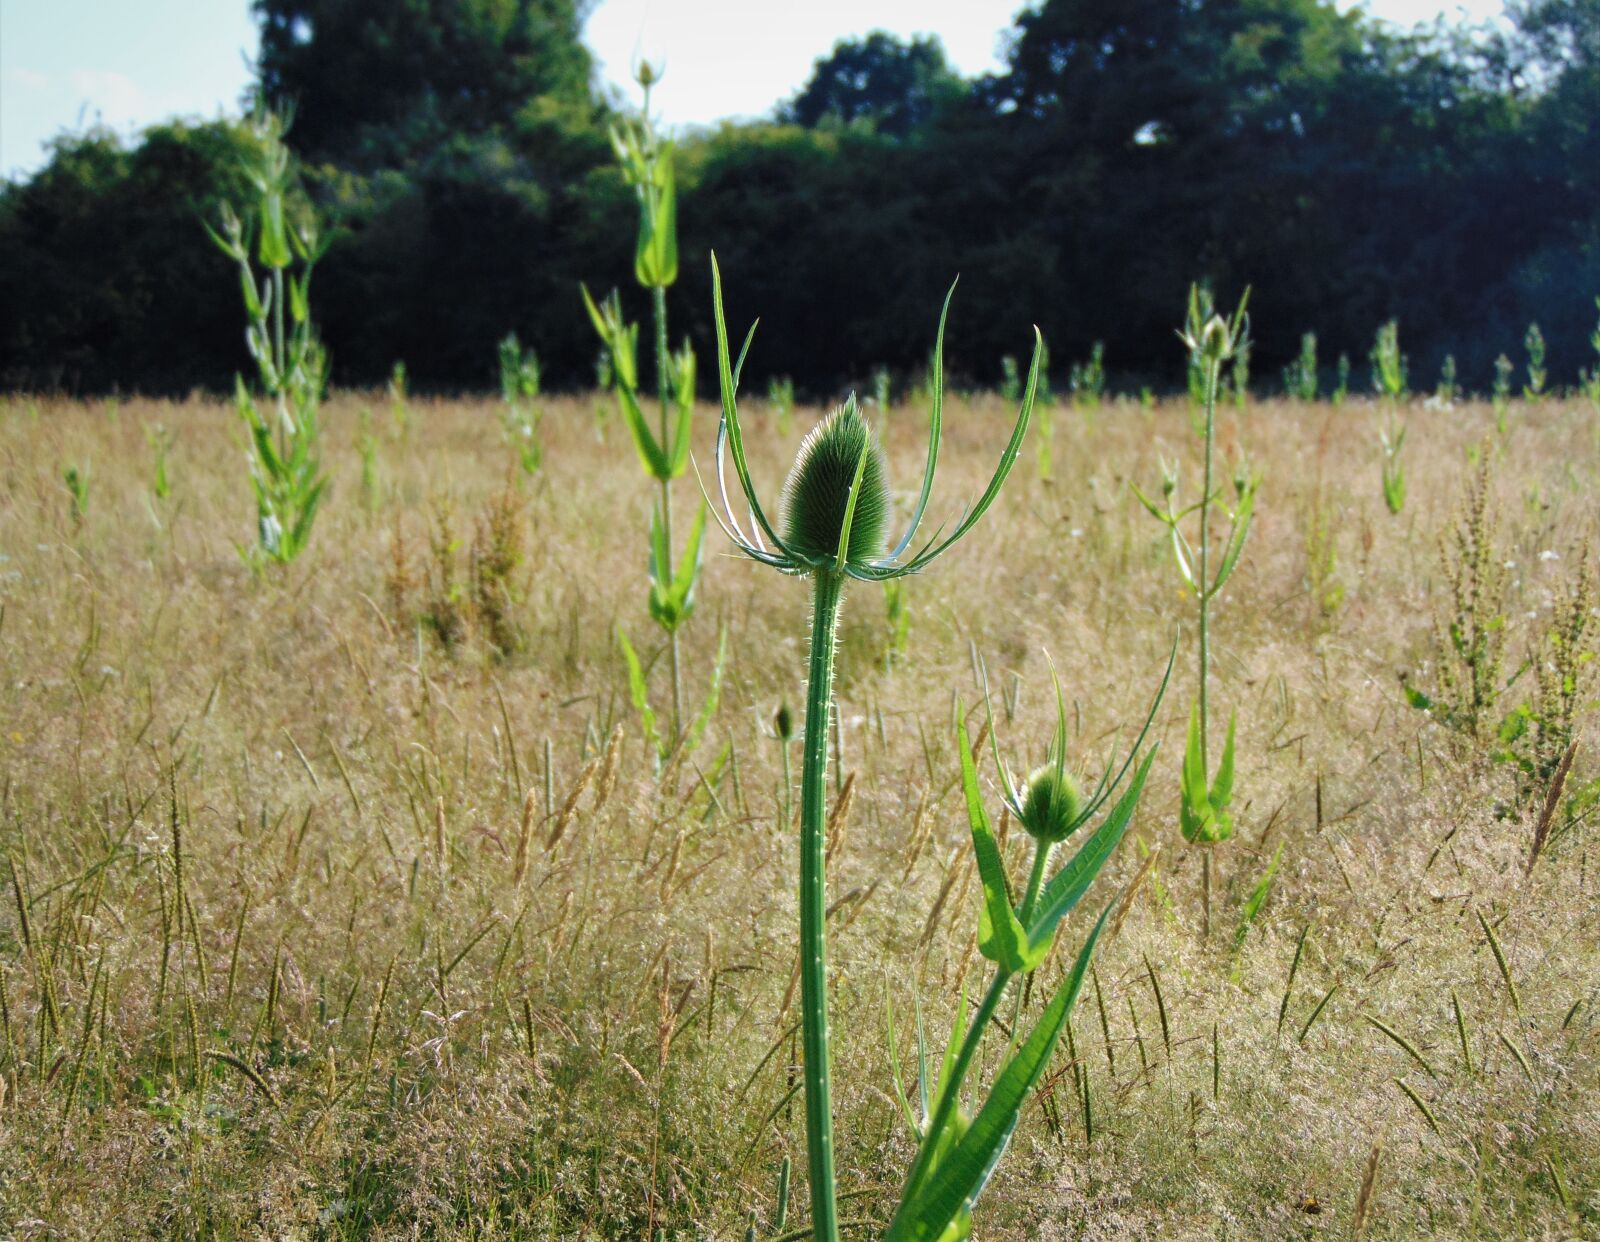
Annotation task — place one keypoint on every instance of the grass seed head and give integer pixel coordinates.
(817, 492)
(1051, 804)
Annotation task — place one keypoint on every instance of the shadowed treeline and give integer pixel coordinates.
(1350, 172)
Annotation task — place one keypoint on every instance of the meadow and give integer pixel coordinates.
(344, 898)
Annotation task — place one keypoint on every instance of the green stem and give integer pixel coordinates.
(278, 357)
(787, 802)
(1213, 379)
(658, 296)
(951, 1088)
(827, 592)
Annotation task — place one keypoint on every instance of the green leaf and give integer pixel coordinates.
(683, 397)
(639, 692)
(274, 251)
(1258, 898)
(929, 1211)
(655, 260)
(894, 1063)
(1221, 794)
(1160, 514)
(1067, 887)
(1001, 937)
(1194, 806)
(1415, 697)
(650, 454)
(1237, 533)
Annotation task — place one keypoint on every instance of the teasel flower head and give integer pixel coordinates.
(836, 504)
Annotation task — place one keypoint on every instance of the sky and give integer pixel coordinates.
(65, 64)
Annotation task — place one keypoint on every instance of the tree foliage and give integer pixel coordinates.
(1350, 172)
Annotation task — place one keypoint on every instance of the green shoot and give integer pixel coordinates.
(519, 390)
(836, 509)
(285, 466)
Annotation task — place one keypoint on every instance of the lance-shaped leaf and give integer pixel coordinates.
(683, 377)
(650, 453)
(935, 428)
(1194, 805)
(655, 260)
(930, 1209)
(1237, 534)
(672, 592)
(728, 384)
(1221, 793)
(1067, 887)
(1001, 937)
(639, 692)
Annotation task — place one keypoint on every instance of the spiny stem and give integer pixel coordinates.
(827, 592)
(1213, 379)
(658, 296)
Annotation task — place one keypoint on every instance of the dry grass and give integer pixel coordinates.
(318, 944)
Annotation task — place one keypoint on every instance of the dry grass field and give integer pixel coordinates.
(342, 901)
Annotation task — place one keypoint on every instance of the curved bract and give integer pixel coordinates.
(763, 543)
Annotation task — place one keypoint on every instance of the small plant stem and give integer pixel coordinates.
(788, 788)
(1041, 860)
(1205, 885)
(951, 1087)
(658, 295)
(279, 359)
(827, 592)
(1213, 379)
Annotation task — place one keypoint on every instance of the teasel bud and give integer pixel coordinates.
(783, 723)
(1169, 477)
(1216, 341)
(1051, 804)
(816, 496)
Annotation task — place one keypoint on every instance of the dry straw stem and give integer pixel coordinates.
(1369, 1185)
(1552, 800)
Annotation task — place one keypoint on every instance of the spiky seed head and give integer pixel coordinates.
(1050, 805)
(1216, 340)
(817, 492)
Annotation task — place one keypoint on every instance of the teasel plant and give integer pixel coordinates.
(832, 529)
(285, 465)
(957, 1153)
(1388, 363)
(1538, 373)
(519, 390)
(1204, 806)
(647, 161)
(1300, 376)
(1392, 440)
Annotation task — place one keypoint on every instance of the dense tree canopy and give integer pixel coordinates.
(896, 88)
(1348, 171)
(373, 83)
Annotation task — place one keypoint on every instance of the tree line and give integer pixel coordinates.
(458, 157)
